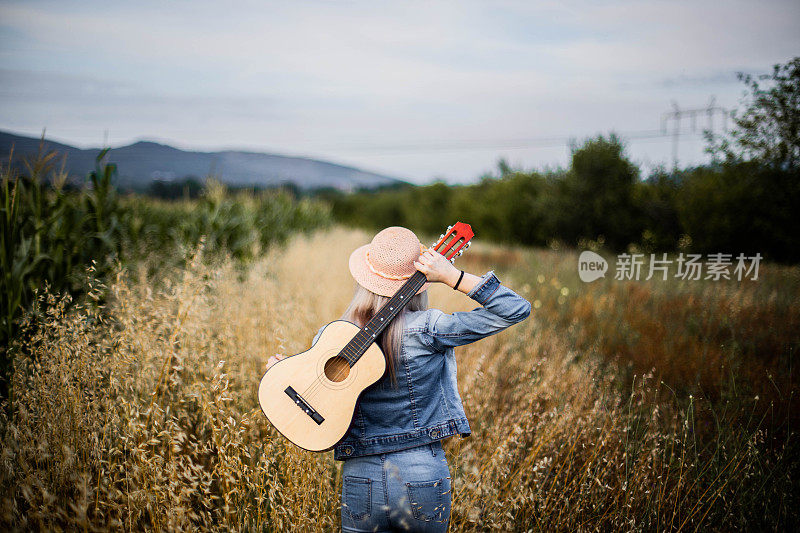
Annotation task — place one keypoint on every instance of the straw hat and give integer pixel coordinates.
(386, 263)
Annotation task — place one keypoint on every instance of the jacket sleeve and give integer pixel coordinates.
(502, 308)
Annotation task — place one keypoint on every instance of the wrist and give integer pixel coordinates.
(452, 277)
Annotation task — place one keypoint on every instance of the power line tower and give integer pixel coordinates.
(677, 114)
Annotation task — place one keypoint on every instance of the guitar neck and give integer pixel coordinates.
(370, 332)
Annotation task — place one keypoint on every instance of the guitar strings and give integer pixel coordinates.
(316, 385)
(403, 292)
(318, 381)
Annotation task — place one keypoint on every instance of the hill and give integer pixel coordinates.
(142, 162)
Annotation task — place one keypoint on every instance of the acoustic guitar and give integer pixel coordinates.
(311, 397)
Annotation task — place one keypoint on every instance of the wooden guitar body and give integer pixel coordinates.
(310, 397)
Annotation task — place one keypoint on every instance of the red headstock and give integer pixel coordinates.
(454, 241)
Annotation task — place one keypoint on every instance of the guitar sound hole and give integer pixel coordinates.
(337, 369)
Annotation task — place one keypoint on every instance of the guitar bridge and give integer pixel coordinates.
(304, 405)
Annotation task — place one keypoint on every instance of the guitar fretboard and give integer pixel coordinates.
(370, 332)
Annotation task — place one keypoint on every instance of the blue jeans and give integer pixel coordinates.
(406, 490)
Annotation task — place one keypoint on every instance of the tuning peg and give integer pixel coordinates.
(449, 228)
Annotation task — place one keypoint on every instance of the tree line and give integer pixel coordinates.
(745, 201)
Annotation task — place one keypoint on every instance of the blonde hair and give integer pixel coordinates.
(363, 307)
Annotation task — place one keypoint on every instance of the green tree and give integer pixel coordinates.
(768, 130)
(595, 197)
(427, 209)
(655, 199)
(744, 207)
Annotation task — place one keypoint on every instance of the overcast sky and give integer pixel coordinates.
(417, 90)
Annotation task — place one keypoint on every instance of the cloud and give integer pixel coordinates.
(306, 76)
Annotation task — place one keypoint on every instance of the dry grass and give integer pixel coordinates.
(145, 416)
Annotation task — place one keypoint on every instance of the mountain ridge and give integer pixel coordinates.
(144, 161)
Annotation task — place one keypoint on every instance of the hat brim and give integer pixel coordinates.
(371, 281)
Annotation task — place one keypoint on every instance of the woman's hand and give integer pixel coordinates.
(274, 359)
(436, 267)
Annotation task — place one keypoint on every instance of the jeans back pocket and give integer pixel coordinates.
(357, 497)
(426, 500)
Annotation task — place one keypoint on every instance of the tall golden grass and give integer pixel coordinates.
(143, 415)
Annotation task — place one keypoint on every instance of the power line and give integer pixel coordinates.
(661, 134)
(488, 144)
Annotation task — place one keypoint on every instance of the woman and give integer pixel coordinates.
(395, 474)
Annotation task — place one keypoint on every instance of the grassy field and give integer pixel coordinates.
(615, 406)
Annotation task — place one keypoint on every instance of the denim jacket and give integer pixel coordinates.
(424, 406)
